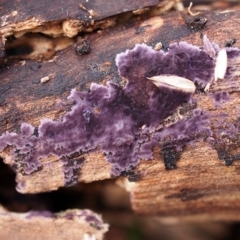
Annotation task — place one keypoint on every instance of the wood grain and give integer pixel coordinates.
(71, 224)
(200, 188)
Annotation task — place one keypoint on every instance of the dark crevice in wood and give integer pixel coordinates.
(79, 196)
(24, 47)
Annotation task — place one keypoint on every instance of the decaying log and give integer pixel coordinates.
(202, 187)
(72, 224)
(100, 67)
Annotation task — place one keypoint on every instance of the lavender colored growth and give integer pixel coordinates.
(220, 98)
(45, 214)
(71, 168)
(182, 59)
(124, 122)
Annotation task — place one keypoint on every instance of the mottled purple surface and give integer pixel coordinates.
(220, 98)
(25, 148)
(71, 168)
(185, 131)
(226, 138)
(112, 117)
(21, 186)
(124, 122)
(91, 218)
(45, 214)
(182, 59)
(231, 54)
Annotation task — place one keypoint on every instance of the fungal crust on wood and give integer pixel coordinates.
(204, 127)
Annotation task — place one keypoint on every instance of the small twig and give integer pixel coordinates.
(190, 12)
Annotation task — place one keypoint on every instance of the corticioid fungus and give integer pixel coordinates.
(128, 122)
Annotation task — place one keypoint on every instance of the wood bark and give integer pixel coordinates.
(72, 224)
(202, 187)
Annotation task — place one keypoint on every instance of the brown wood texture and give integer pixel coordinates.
(72, 224)
(200, 188)
(55, 10)
(68, 18)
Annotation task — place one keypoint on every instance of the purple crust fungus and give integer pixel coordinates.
(220, 97)
(125, 123)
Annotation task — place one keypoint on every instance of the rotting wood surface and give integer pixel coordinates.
(50, 11)
(73, 224)
(68, 18)
(200, 188)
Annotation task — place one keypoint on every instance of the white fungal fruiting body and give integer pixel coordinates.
(221, 65)
(174, 82)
